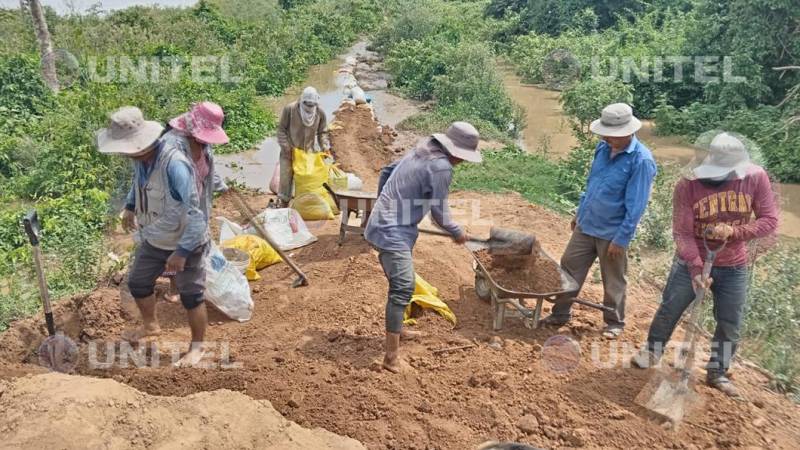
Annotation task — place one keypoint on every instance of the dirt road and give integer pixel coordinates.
(312, 351)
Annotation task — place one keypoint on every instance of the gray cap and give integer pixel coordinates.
(616, 120)
(461, 141)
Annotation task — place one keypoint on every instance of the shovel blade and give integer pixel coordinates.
(503, 241)
(58, 353)
(668, 395)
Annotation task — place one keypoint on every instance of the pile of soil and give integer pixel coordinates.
(68, 412)
(532, 273)
(314, 352)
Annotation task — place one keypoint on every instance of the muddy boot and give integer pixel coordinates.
(724, 384)
(391, 361)
(410, 335)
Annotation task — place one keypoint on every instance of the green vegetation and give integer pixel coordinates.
(438, 50)
(47, 152)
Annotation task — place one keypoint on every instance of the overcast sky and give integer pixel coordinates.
(62, 6)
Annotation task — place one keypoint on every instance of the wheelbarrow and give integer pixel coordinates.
(509, 303)
(358, 203)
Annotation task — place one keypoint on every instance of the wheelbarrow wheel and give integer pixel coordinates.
(482, 288)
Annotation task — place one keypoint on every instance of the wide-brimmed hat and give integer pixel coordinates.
(616, 120)
(461, 141)
(203, 122)
(725, 154)
(128, 133)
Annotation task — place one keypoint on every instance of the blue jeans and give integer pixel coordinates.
(399, 270)
(729, 291)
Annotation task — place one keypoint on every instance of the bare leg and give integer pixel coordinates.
(198, 320)
(391, 361)
(147, 308)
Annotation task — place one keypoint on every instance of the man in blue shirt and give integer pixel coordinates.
(616, 196)
(409, 189)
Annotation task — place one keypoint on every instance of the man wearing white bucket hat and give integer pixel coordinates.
(723, 197)
(616, 196)
(171, 228)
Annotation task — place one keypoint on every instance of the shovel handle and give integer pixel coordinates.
(32, 227)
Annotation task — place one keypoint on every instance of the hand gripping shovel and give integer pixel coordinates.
(57, 352)
(668, 393)
(501, 241)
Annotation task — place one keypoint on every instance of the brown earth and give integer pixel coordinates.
(313, 351)
(526, 274)
(62, 411)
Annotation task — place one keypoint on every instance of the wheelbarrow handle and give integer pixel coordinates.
(32, 227)
(593, 305)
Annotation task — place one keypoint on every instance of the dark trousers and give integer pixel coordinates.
(399, 270)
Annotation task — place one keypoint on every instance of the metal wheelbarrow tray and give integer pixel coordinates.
(501, 298)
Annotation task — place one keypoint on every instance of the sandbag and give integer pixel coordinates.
(358, 95)
(286, 228)
(337, 178)
(227, 288)
(261, 254)
(427, 296)
(311, 171)
(312, 206)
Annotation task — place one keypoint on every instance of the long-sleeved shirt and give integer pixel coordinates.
(698, 206)
(180, 177)
(410, 188)
(292, 133)
(617, 192)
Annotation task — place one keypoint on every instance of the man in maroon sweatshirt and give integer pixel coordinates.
(731, 199)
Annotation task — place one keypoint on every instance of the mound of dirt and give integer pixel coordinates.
(361, 144)
(529, 273)
(70, 412)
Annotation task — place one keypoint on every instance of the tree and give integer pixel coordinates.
(45, 43)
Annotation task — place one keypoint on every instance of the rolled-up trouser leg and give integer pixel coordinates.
(287, 175)
(148, 265)
(191, 282)
(399, 270)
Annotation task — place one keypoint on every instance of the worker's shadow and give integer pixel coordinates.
(342, 348)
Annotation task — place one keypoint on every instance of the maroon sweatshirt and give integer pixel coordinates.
(747, 204)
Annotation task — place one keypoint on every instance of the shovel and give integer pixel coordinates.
(57, 352)
(502, 241)
(668, 394)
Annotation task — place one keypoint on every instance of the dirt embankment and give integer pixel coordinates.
(312, 351)
(62, 411)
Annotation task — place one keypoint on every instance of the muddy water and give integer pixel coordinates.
(547, 131)
(254, 168)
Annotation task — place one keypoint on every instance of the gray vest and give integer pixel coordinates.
(156, 209)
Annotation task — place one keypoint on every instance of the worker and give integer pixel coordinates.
(410, 188)
(717, 198)
(172, 231)
(303, 125)
(609, 211)
(194, 133)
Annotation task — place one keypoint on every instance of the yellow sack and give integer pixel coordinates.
(427, 296)
(337, 178)
(312, 206)
(261, 254)
(310, 172)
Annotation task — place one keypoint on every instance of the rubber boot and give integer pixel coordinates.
(391, 361)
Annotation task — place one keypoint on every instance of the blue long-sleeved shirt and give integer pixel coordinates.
(409, 189)
(180, 177)
(617, 192)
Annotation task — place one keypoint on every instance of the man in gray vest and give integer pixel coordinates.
(171, 229)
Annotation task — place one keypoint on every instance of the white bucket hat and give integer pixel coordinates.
(726, 153)
(616, 120)
(128, 133)
(461, 141)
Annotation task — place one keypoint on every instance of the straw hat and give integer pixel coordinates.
(461, 141)
(128, 133)
(616, 120)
